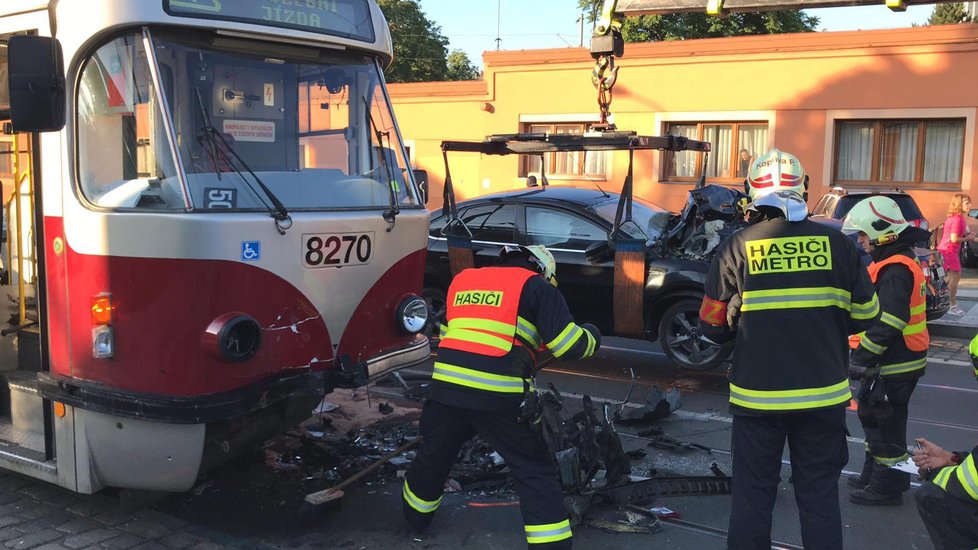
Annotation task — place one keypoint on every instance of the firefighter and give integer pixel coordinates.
(789, 292)
(892, 354)
(497, 320)
(948, 500)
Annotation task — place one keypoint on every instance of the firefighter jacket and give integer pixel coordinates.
(961, 480)
(898, 341)
(802, 291)
(497, 318)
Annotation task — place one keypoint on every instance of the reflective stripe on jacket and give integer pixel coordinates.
(960, 481)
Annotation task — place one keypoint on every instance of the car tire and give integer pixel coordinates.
(968, 258)
(682, 341)
(436, 298)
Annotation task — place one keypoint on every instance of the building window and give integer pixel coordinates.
(906, 152)
(732, 147)
(582, 164)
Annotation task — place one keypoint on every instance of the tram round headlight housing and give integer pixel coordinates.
(232, 337)
(412, 314)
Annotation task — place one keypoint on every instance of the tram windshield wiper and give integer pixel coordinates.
(390, 215)
(218, 148)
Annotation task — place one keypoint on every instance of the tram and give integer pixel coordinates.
(213, 223)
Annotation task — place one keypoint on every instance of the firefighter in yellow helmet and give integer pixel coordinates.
(948, 500)
(498, 320)
(790, 292)
(892, 354)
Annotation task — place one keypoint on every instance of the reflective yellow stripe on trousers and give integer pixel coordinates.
(789, 400)
(419, 504)
(551, 532)
(476, 379)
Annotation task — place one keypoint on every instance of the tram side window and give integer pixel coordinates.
(124, 159)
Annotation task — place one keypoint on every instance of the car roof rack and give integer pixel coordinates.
(539, 143)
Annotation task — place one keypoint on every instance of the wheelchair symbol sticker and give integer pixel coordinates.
(250, 251)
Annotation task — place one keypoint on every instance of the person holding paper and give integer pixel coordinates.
(948, 499)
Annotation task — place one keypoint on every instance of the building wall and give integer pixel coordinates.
(799, 83)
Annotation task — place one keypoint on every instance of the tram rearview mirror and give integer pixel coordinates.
(421, 178)
(37, 84)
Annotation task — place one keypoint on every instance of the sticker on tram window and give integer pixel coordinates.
(220, 197)
(336, 249)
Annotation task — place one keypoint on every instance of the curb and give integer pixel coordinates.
(952, 331)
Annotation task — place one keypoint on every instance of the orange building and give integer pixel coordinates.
(877, 109)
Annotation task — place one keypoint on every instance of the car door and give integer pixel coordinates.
(587, 287)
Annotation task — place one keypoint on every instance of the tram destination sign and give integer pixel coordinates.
(345, 18)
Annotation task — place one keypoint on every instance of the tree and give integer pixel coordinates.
(420, 50)
(460, 68)
(948, 14)
(682, 26)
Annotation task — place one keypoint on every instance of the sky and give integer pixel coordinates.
(533, 24)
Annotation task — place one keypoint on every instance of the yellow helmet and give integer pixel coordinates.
(879, 218)
(538, 255)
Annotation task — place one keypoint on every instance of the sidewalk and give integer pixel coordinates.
(961, 326)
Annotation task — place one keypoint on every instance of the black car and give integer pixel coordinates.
(832, 208)
(569, 221)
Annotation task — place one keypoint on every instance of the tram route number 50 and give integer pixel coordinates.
(336, 249)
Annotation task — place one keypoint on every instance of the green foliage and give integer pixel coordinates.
(682, 26)
(420, 49)
(948, 14)
(460, 67)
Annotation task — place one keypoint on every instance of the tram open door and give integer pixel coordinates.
(26, 427)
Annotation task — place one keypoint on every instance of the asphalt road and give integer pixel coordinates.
(250, 504)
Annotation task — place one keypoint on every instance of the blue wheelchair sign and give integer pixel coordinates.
(250, 251)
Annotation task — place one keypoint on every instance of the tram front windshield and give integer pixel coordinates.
(203, 123)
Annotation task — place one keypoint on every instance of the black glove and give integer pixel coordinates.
(530, 408)
(861, 371)
(594, 332)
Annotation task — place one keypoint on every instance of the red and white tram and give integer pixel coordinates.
(219, 225)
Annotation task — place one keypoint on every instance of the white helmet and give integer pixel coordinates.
(879, 218)
(538, 255)
(778, 179)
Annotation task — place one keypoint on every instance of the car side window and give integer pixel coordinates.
(553, 228)
(495, 223)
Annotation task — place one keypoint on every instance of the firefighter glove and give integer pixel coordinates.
(861, 371)
(530, 409)
(594, 332)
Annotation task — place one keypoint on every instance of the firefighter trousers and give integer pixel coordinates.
(446, 428)
(885, 426)
(951, 523)
(817, 444)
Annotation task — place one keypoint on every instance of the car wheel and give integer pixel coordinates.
(682, 340)
(436, 298)
(968, 258)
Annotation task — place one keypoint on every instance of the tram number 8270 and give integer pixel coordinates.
(337, 249)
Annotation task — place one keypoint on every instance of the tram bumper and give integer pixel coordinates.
(353, 375)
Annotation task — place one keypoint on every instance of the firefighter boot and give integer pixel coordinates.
(862, 480)
(867, 497)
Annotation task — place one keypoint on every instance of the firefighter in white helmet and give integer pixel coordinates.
(790, 292)
(498, 320)
(891, 355)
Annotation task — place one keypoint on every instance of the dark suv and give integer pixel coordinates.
(834, 206)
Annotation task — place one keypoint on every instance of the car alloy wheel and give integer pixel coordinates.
(684, 343)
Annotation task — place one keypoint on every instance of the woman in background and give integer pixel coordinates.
(955, 231)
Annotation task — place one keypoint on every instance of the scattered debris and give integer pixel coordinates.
(385, 408)
(658, 405)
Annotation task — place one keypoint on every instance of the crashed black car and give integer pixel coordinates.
(574, 224)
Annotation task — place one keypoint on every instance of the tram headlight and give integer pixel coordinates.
(103, 342)
(232, 337)
(412, 314)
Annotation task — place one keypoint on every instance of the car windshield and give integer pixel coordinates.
(906, 203)
(649, 218)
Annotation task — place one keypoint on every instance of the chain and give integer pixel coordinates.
(604, 76)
